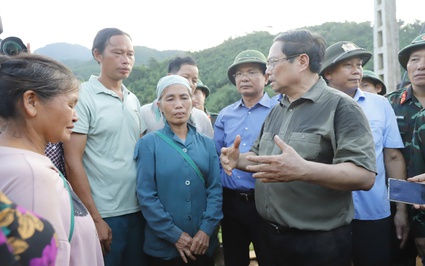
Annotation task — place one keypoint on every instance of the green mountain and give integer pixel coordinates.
(213, 62)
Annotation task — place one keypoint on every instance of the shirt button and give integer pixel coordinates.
(189, 218)
(188, 199)
(184, 149)
(187, 183)
(290, 110)
(303, 136)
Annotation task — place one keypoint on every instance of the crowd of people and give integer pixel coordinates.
(89, 176)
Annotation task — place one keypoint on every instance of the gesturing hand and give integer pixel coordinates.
(229, 156)
(284, 167)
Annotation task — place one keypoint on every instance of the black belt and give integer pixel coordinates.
(289, 230)
(241, 195)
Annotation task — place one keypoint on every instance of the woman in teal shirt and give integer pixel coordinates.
(180, 199)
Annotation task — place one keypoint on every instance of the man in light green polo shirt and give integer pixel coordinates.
(99, 156)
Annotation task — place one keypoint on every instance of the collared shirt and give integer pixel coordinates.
(113, 126)
(374, 204)
(417, 157)
(277, 97)
(54, 151)
(237, 119)
(406, 107)
(324, 126)
(172, 196)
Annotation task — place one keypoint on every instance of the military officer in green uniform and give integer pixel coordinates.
(407, 103)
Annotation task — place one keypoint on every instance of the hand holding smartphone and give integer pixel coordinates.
(405, 191)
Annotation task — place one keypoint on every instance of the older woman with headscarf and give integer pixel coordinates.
(178, 183)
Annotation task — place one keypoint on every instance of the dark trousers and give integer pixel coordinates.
(308, 248)
(200, 261)
(407, 255)
(240, 227)
(371, 242)
(128, 235)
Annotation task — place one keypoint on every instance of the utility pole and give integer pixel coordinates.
(386, 43)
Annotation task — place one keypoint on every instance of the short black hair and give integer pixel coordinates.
(304, 42)
(175, 64)
(103, 36)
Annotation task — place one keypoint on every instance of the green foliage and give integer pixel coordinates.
(213, 62)
(359, 33)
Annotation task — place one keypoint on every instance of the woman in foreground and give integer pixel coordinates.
(37, 100)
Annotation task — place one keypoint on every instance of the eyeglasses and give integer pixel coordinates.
(249, 74)
(271, 62)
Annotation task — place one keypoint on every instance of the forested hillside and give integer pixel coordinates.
(213, 62)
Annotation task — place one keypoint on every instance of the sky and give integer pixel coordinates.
(190, 25)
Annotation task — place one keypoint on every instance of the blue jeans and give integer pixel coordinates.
(128, 235)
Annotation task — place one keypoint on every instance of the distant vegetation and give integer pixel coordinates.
(213, 62)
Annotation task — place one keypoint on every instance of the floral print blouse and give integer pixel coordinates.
(25, 238)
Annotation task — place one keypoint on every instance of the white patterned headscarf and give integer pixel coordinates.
(165, 82)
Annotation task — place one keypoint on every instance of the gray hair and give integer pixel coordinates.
(48, 78)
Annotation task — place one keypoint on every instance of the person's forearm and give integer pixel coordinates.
(343, 176)
(395, 167)
(81, 186)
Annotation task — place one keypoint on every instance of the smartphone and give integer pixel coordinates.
(405, 191)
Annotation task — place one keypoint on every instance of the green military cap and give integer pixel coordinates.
(404, 54)
(203, 87)
(247, 56)
(343, 50)
(372, 75)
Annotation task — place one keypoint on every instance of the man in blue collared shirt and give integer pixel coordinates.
(371, 226)
(240, 225)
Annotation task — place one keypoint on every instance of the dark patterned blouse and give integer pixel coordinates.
(25, 238)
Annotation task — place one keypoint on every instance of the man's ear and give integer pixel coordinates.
(378, 87)
(327, 74)
(266, 79)
(304, 60)
(97, 55)
(30, 103)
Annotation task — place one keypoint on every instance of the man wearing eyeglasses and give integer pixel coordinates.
(315, 147)
(240, 225)
(371, 226)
